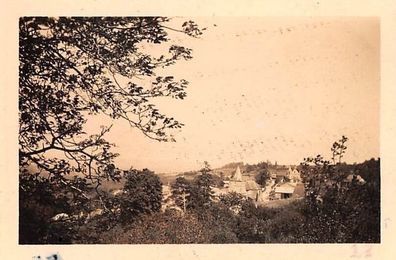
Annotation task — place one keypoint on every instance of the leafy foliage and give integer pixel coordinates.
(159, 228)
(268, 225)
(344, 210)
(232, 199)
(219, 222)
(201, 193)
(142, 194)
(262, 177)
(321, 176)
(71, 67)
(39, 201)
(180, 192)
(340, 208)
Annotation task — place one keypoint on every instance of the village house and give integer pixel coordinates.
(286, 181)
(253, 190)
(236, 184)
(288, 190)
(245, 186)
(284, 190)
(294, 175)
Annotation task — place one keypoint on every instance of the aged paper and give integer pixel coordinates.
(381, 13)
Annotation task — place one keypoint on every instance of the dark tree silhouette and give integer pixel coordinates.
(320, 175)
(201, 193)
(180, 192)
(142, 194)
(339, 208)
(262, 176)
(72, 67)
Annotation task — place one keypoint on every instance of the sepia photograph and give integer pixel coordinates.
(199, 130)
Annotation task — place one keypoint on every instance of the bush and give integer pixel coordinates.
(160, 228)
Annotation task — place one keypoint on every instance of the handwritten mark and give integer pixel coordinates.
(49, 257)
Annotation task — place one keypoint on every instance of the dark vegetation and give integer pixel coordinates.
(347, 213)
(70, 68)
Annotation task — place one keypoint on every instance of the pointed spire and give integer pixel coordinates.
(237, 175)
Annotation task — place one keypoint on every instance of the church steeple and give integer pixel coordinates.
(237, 175)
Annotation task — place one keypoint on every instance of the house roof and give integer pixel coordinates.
(251, 185)
(285, 188)
(299, 191)
(279, 171)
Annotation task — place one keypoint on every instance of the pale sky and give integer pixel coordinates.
(277, 89)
